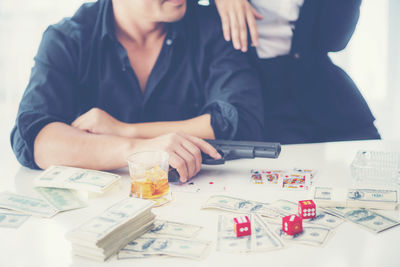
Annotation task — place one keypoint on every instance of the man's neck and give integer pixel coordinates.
(136, 29)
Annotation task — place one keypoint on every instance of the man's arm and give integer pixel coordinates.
(60, 144)
(100, 122)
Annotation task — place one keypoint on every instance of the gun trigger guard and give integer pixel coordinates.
(206, 159)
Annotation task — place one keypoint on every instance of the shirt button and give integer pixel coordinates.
(168, 42)
(296, 55)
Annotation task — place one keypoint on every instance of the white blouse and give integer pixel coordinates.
(276, 29)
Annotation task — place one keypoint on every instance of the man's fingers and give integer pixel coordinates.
(251, 22)
(179, 164)
(204, 146)
(190, 160)
(195, 151)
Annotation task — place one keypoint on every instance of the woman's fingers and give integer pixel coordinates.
(251, 22)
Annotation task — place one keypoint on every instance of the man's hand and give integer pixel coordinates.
(236, 16)
(98, 121)
(184, 152)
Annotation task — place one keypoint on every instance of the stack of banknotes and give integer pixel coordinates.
(78, 179)
(356, 198)
(106, 234)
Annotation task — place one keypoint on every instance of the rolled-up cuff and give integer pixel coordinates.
(224, 119)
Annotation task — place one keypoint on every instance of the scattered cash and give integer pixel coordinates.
(164, 231)
(312, 235)
(367, 219)
(104, 235)
(61, 199)
(356, 198)
(238, 205)
(27, 205)
(76, 178)
(261, 239)
(12, 219)
(174, 229)
(177, 247)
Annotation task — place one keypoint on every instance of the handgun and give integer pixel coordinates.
(230, 150)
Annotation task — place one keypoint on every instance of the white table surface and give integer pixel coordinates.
(41, 242)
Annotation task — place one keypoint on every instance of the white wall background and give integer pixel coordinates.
(372, 58)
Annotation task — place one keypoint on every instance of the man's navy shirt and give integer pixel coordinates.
(80, 65)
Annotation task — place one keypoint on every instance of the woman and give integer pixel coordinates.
(307, 98)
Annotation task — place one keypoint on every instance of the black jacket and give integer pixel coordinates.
(323, 91)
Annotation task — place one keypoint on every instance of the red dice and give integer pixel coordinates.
(242, 226)
(307, 209)
(292, 224)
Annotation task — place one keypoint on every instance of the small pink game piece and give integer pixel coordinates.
(242, 226)
(292, 224)
(307, 209)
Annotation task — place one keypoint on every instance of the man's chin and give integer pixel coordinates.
(174, 10)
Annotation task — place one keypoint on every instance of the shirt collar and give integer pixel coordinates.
(107, 27)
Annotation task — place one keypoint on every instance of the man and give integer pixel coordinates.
(123, 76)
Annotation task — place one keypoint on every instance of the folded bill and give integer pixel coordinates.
(12, 219)
(27, 205)
(312, 235)
(239, 205)
(356, 198)
(61, 199)
(76, 178)
(177, 247)
(367, 219)
(261, 239)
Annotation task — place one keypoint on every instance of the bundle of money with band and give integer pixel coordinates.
(104, 235)
(77, 178)
(386, 199)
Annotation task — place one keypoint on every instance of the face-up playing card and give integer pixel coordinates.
(295, 179)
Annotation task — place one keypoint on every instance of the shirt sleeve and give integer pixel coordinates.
(49, 96)
(233, 90)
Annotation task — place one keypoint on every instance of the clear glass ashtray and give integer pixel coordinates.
(376, 167)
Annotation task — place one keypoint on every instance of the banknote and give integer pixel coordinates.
(261, 238)
(61, 199)
(76, 178)
(238, 205)
(12, 219)
(126, 255)
(27, 205)
(312, 235)
(356, 197)
(178, 247)
(115, 216)
(365, 218)
(285, 208)
(175, 229)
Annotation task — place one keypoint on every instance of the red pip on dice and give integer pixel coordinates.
(242, 226)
